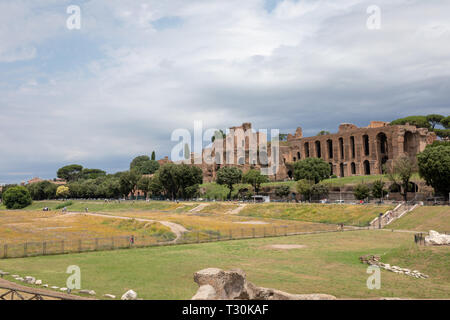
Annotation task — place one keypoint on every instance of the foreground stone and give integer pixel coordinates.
(437, 239)
(217, 284)
(129, 295)
(110, 296)
(89, 292)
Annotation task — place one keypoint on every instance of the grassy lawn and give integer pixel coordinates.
(328, 264)
(102, 206)
(357, 215)
(425, 218)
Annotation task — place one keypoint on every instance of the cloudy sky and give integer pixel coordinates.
(137, 70)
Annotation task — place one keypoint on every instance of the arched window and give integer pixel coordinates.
(352, 146)
(366, 144)
(341, 166)
(366, 167)
(318, 151)
(341, 147)
(330, 148)
(307, 149)
(331, 168)
(353, 166)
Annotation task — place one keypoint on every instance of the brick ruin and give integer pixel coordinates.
(350, 151)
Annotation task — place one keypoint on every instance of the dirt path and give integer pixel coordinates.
(177, 229)
(237, 210)
(199, 207)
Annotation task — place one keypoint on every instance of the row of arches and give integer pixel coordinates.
(366, 168)
(381, 145)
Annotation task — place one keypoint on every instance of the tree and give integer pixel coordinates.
(168, 179)
(128, 181)
(229, 176)
(401, 173)
(434, 167)
(153, 155)
(418, 121)
(446, 122)
(62, 192)
(42, 190)
(320, 190)
(283, 136)
(155, 186)
(313, 169)
(444, 134)
(361, 191)
(187, 177)
(303, 187)
(218, 134)
(143, 165)
(92, 173)
(323, 133)
(255, 178)
(16, 197)
(378, 189)
(282, 191)
(434, 119)
(70, 173)
(144, 185)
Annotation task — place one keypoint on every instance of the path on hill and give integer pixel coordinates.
(199, 207)
(237, 210)
(177, 229)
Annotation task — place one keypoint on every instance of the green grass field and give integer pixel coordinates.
(328, 264)
(356, 215)
(425, 219)
(102, 206)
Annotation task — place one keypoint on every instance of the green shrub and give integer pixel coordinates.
(16, 198)
(64, 204)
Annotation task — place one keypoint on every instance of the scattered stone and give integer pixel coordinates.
(89, 292)
(129, 295)
(375, 261)
(437, 239)
(30, 279)
(217, 284)
(111, 296)
(38, 282)
(20, 279)
(62, 289)
(54, 287)
(45, 285)
(15, 276)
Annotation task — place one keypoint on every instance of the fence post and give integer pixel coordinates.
(112, 243)
(79, 245)
(25, 249)
(96, 244)
(231, 234)
(253, 232)
(44, 248)
(5, 251)
(264, 230)
(198, 237)
(62, 246)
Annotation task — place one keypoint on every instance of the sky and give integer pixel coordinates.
(135, 71)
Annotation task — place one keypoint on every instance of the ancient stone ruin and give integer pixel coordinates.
(217, 284)
(374, 260)
(437, 239)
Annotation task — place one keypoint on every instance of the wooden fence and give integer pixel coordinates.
(29, 249)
